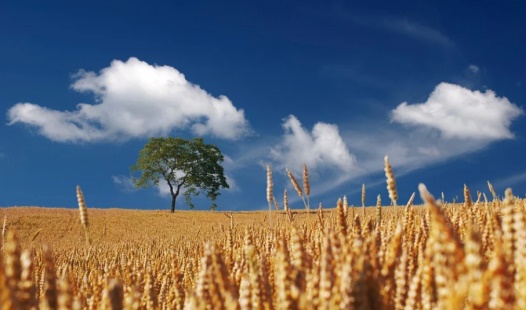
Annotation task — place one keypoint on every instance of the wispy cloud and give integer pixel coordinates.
(511, 180)
(418, 31)
(233, 187)
(402, 26)
(358, 75)
(452, 122)
(124, 183)
(473, 69)
(135, 100)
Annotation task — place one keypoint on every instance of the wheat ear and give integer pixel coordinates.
(276, 205)
(4, 229)
(363, 199)
(345, 206)
(83, 210)
(296, 186)
(378, 212)
(306, 185)
(285, 201)
(270, 185)
(467, 197)
(391, 183)
(342, 217)
(492, 190)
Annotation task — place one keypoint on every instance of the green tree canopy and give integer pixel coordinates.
(191, 165)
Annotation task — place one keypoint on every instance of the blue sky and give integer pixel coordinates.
(436, 85)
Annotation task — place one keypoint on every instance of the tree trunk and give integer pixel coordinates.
(173, 202)
(174, 195)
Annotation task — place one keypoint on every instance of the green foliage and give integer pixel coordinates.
(189, 164)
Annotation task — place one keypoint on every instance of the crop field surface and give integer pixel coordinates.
(469, 255)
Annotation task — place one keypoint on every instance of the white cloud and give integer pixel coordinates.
(438, 135)
(409, 147)
(457, 112)
(124, 183)
(473, 69)
(164, 189)
(319, 149)
(134, 100)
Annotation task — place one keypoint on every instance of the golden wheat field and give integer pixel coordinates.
(469, 255)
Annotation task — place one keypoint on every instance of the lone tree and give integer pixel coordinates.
(189, 164)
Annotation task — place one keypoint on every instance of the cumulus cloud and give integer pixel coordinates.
(458, 112)
(453, 121)
(440, 129)
(164, 189)
(134, 100)
(321, 148)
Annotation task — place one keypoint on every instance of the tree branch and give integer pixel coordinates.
(171, 187)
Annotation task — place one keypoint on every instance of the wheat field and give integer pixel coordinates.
(469, 255)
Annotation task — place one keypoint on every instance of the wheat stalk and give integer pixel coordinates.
(49, 297)
(321, 218)
(276, 205)
(27, 292)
